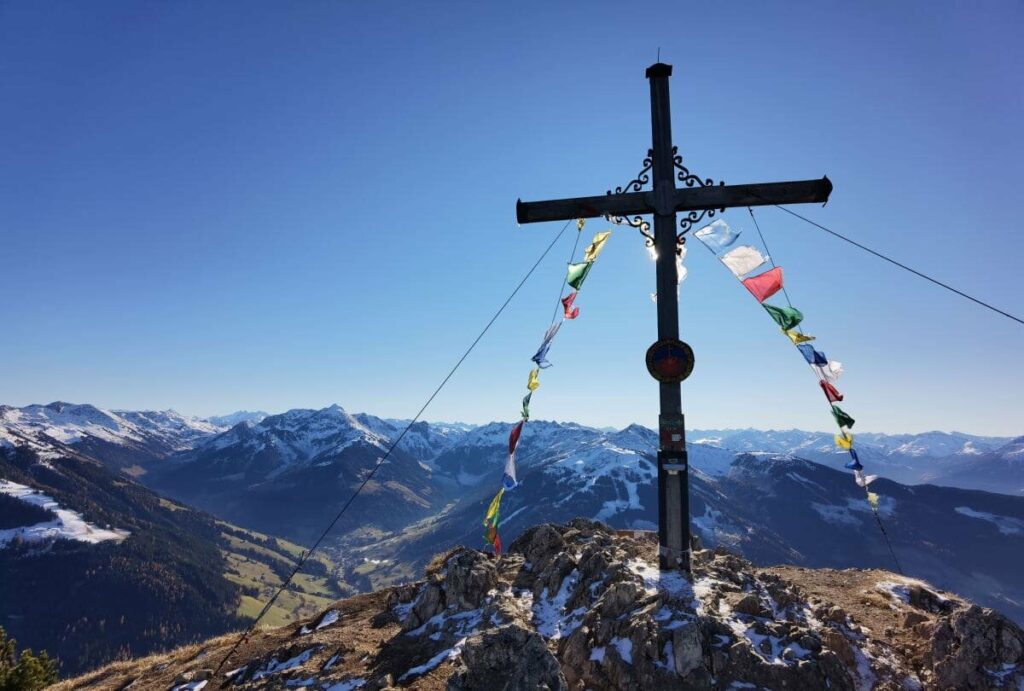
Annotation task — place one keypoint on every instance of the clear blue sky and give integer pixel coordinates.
(213, 206)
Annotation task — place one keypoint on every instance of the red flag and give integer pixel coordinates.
(763, 286)
(497, 544)
(513, 437)
(570, 311)
(831, 393)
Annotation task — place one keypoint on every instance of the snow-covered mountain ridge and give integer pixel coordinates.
(133, 441)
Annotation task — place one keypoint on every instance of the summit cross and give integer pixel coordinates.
(670, 360)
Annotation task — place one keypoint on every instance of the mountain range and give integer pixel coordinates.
(775, 496)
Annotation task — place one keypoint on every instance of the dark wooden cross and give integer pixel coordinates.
(697, 198)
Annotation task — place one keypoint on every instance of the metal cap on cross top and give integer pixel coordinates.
(671, 359)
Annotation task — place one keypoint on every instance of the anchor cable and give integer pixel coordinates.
(878, 517)
(304, 557)
(901, 265)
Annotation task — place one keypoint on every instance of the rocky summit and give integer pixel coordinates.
(579, 606)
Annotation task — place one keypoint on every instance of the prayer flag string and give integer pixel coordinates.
(576, 274)
(742, 260)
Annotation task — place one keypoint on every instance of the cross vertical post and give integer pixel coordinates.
(669, 360)
(673, 485)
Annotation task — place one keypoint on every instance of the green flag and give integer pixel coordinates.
(578, 273)
(526, 405)
(786, 317)
(842, 419)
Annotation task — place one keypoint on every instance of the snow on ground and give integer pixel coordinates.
(1006, 524)
(275, 667)
(670, 582)
(191, 686)
(331, 617)
(810, 484)
(836, 515)
(446, 654)
(68, 525)
(624, 647)
(347, 685)
(549, 614)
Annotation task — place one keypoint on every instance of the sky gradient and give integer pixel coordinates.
(214, 206)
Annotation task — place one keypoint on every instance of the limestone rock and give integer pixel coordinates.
(510, 658)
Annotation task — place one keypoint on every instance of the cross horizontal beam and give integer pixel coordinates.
(685, 199)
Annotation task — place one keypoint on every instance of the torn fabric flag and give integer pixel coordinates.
(513, 436)
(596, 245)
(526, 405)
(862, 479)
(717, 236)
(764, 285)
(742, 260)
(508, 479)
(540, 357)
(571, 312)
(844, 440)
(813, 357)
(854, 463)
(491, 522)
(797, 337)
(873, 500)
(831, 393)
(842, 418)
(829, 372)
(533, 383)
(786, 317)
(577, 273)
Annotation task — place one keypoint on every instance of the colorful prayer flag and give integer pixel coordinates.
(540, 357)
(764, 285)
(831, 393)
(742, 260)
(873, 500)
(526, 405)
(577, 273)
(508, 479)
(842, 418)
(533, 383)
(813, 357)
(829, 372)
(854, 463)
(717, 236)
(844, 440)
(596, 245)
(513, 437)
(786, 317)
(580, 222)
(491, 522)
(797, 337)
(862, 479)
(570, 311)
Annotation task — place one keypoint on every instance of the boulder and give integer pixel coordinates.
(510, 658)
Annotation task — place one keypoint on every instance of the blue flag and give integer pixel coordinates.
(813, 357)
(541, 357)
(854, 463)
(717, 236)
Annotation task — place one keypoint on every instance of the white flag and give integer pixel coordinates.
(742, 260)
(862, 479)
(829, 372)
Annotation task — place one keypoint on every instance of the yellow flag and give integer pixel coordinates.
(797, 337)
(844, 441)
(580, 222)
(492, 510)
(873, 500)
(533, 383)
(596, 245)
